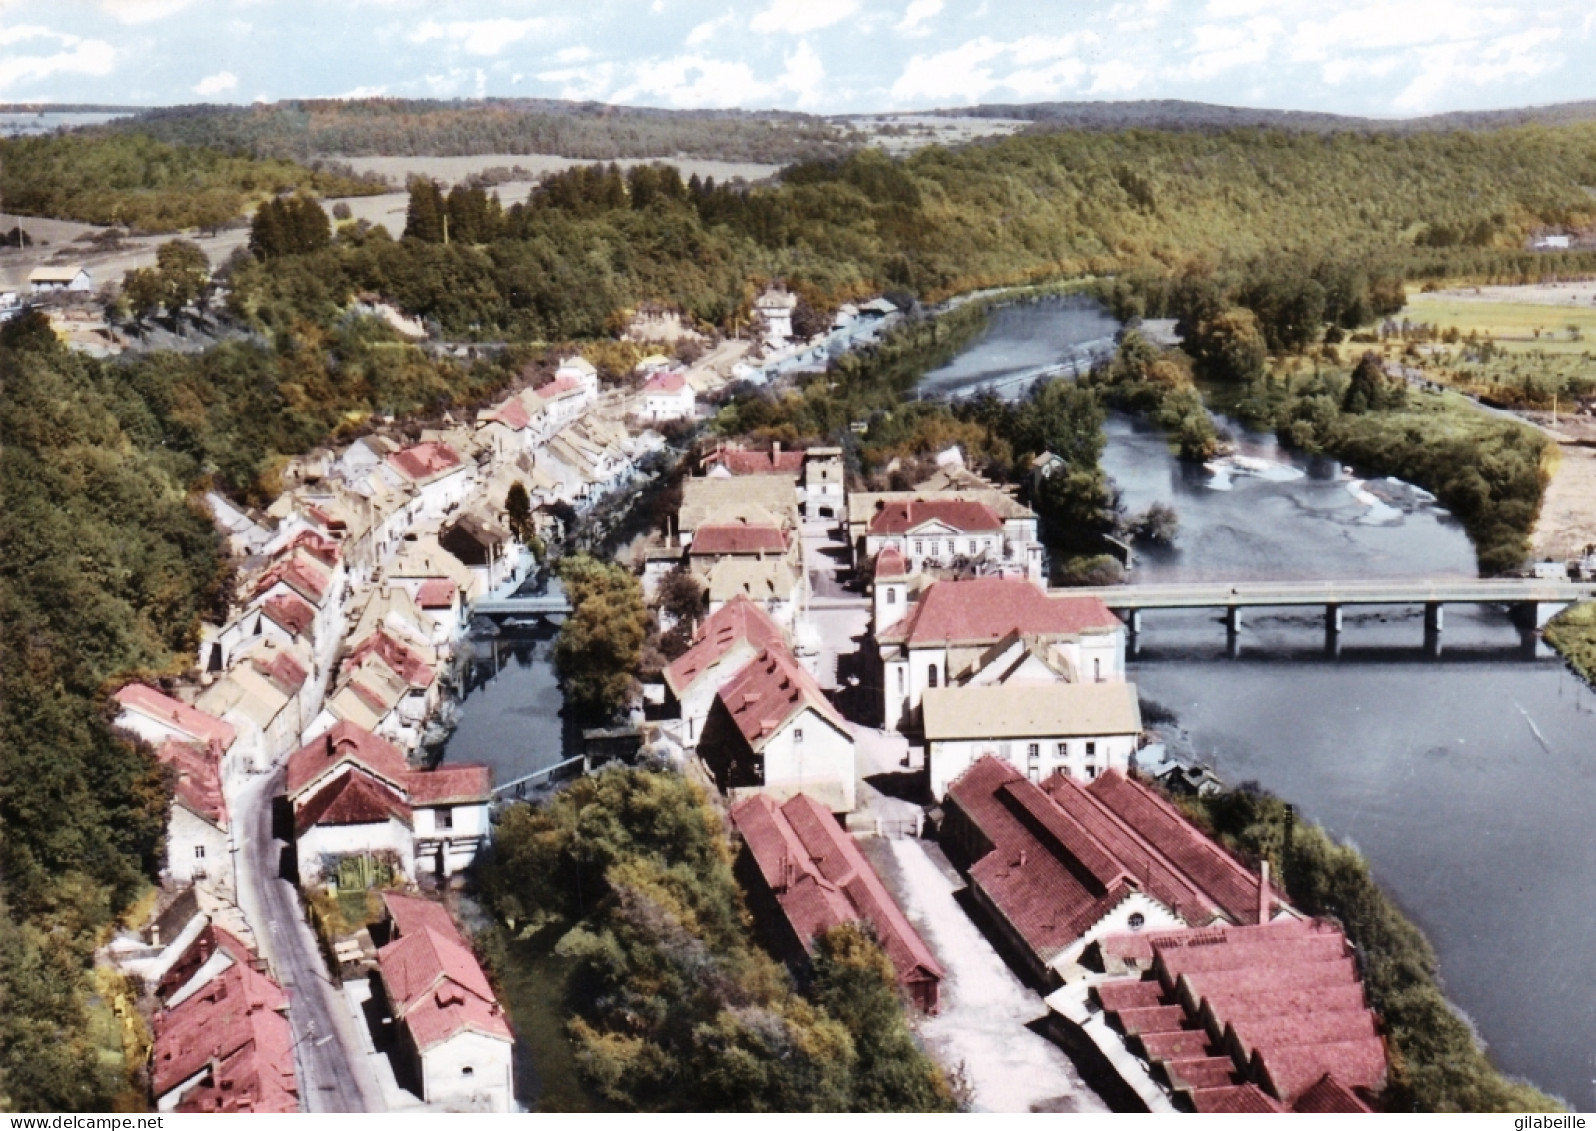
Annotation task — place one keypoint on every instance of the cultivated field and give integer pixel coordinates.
(1535, 317)
(904, 133)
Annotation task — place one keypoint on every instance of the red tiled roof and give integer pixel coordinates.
(210, 940)
(437, 989)
(890, 563)
(554, 390)
(301, 572)
(1168, 856)
(353, 798)
(1330, 1097)
(769, 691)
(425, 461)
(737, 538)
(758, 463)
(963, 515)
(666, 381)
(144, 700)
(1234, 1099)
(986, 609)
(436, 593)
(1064, 855)
(405, 661)
(199, 779)
(345, 742)
(238, 1011)
(455, 783)
(512, 414)
(1282, 999)
(249, 1082)
(738, 620)
(289, 611)
(822, 880)
(411, 913)
(318, 545)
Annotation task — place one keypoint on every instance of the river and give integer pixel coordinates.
(1466, 777)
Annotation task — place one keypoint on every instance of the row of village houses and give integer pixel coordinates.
(222, 1040)
(355, 587)
(1019, 697)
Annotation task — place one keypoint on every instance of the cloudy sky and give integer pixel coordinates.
(1391, 58)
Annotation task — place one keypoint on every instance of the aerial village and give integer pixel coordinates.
(866, 665)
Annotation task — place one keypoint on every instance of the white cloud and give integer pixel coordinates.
(582, 84)
(1032, 67)
(360, 92)
(1492, 62)
(692, 81)
(569, 55)
(917, 13)
(1217, 48)
(804, 76)
(707, 30)
(476, 37)
(74, 55)
(1116, 77)
(142, 11)
(219, 83)
(795, 17)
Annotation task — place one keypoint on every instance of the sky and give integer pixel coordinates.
(1395, 58)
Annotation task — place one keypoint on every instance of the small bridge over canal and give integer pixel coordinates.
(546, 606)
(1532, 601)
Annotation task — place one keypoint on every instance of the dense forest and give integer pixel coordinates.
(310, 129)
(1263, 244)
(145, 185)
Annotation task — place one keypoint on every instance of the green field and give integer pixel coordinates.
(1513, 325)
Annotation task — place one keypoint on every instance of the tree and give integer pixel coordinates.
(600, 646)
(143, 291)
(1231, 346)
(1370, 390)
(424, 216)
(184, 270)
(518, 509)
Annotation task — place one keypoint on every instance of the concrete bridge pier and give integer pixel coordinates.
(1133, 621)
(1332, 619)
(1233, 620)
(1433, 618)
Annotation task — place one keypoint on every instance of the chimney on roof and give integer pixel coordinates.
(1263, 894)
(332, 747)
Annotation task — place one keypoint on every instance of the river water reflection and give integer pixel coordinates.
(1467, 778)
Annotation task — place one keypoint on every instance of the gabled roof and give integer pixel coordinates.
(982, 610)
(737, 538)
(354, 798)
(739, 462)
(345, 743)
(405, 661)
(437, 593)
(199, 780)
(512, 414)
(1020, 711)
(237, 1011)
(412, 913)
(301, 571)
(288, 611)
(458, 783)
(769, 692)
(143, 700)
(278, 663)
(63, 274)
(772, 579)
(822, 880)
(424, 463)
(665, 382)
(961, 515)
(737, 621)
(437, 989)
(1063, 857)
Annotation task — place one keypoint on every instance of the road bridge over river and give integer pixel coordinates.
(1533, 600)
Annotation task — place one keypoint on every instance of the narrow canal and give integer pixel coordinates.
(1468, 778)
